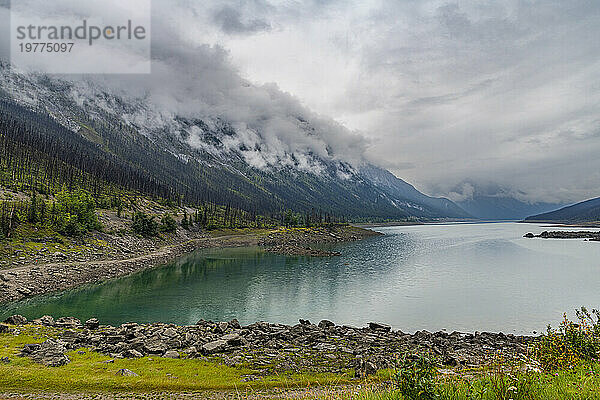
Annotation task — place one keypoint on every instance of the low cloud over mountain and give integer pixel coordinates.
(441, 92)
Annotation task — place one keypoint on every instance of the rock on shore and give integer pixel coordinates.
(593, 236)
(293, 250)
(324, 347)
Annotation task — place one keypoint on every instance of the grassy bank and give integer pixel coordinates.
(92, 372)
(562, 364)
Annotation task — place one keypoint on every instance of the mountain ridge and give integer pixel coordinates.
(502, 208)
(585, 211)
(209, 159)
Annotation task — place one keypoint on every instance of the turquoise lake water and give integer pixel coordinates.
(466, 277)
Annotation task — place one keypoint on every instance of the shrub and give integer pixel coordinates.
(571, 343)
(72, 227)
(507, 382)
(144, 225)
(415, 377)
(185, 223)
(75, 213)
(168, 223)
(33, 206)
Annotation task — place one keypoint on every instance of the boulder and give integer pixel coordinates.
(363, 368)
(221, 327)
(4, 328)
(51, 353)
(422, 336)
(125, 372)
(234, 339)
(235, 324)
(132, 353)
(375, 326)
(16, 320)
(191, 351)
(324, 324)
(214, 347)
(190, 338)
(171, 354)
(155, 345)
(24, 291)
(46, 320)
(68, 322)
(92, 324)
(449, 360)
(113, 339)
(30, 348)
(170, 332)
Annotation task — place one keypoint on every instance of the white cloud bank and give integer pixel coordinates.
(194, 79)
(499, 93)
(445, 93)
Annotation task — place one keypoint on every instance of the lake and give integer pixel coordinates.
(464, 277)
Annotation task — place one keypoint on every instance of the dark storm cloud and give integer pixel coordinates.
(230, 21)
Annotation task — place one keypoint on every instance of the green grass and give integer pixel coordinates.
(582, 382)
(88, 372)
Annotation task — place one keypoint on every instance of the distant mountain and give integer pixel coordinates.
(503, 208)
(586, 211)
(132, 142)
(396, 188)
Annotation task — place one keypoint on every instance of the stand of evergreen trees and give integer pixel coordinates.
(70, 213)
(69, 175)
(309, 219)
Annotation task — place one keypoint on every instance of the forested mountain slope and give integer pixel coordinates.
(57, 132)
(586, 211)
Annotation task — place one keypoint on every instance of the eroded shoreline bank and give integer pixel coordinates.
(29, 280)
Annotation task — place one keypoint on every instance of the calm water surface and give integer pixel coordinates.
(456, 276)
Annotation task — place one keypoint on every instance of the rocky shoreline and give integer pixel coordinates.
(264, 347)
(589, 235)
(24, 281)
(32, 280)
(293, 250)
(293, 242)
(305, 236)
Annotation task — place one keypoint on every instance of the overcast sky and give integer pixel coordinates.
(452, 96)
(493, 93)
